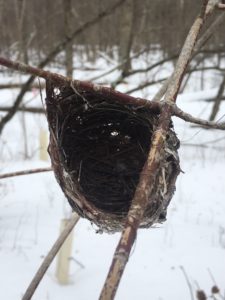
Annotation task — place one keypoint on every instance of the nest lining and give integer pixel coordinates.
(101, 145)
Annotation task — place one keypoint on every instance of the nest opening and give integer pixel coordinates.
(105, 147)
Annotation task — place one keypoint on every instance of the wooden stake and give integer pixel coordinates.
(63, 264)
(43, 140)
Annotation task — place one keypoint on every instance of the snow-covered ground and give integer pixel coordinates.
(192, 239)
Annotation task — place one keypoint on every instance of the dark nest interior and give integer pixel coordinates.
(98, 148)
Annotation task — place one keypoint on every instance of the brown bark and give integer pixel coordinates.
(147, 177)
(80, 86)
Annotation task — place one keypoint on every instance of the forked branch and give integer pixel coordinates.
(148, 174)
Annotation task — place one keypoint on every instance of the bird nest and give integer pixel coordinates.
(98, 147)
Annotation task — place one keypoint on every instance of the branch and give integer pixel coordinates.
(80, 86)
(188, 282)
(145, 84)
(147, 177)
(50, 256)
(217, 101)
(189, 72)
(52, 54)
(25, 172)
(119, 65)
(221, 6)
(189, 118)
(35, 110)
(18, 85)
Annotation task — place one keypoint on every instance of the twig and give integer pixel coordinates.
(188, 282)
(118, 66)
(145, 84)
(25, 172)
(17, 85)
(189, 118)
(203, 146)
(153, 82)
(35, 110)
(49, 258)
(147, 177)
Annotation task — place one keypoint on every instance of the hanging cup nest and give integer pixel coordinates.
(98, 147)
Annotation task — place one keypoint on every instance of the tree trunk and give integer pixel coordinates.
(127, 34)
(67, 5)
(218, 100)
(21, 10)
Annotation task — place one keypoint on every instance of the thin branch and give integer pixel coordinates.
(80, 86)
(145, 84)
(35, 110)
(189, 118)
(188, 282)
(217, 101)
(203, 146)
(189, 72)
(146, 183)
(25, 172)
(18, 85)
(221, 6)
(119, 65)
(50, 256)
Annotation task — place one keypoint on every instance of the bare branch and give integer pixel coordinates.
(188, 282)
(189, 72)
(119, 65)
(145, 84)
(77, 84)
(18, 85)
(189, 118)
(25, 172)
(221, 6)
(147, 177)
(35, 110)
(50, 256)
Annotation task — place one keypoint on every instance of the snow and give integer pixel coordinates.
(192, 238)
